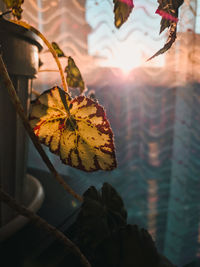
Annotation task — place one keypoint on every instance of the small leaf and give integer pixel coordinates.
(171, 39)
(122, 10)
(74, 78)
(15, 5)
(59, 52)
(83, 139)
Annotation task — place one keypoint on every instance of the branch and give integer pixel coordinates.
(19, 109)
(37, 220)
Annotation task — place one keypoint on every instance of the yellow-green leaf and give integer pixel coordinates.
(74, 78)
(58, 50)
(75, 129)
(122, 10)
(15, 5)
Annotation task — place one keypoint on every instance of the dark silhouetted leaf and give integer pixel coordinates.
(74, 78)
(127, 246)
(59, 52)
(122, 10)
(101, 213)
(83, 139)
(15, 5)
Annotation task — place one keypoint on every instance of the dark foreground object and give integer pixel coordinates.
(128, 246)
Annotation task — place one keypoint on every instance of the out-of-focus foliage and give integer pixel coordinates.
(122, 10)
(15, 5)
(168, 10)
(171, 39)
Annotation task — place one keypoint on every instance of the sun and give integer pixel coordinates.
(125, 57)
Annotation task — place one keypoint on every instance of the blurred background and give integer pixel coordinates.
(153, 108)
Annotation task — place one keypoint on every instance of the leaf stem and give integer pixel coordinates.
(48, 70)
(53, 52)
(19, 109)
(37, 220)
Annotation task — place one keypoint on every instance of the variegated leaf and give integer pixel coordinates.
(122, 10)
(15, 5)
(75, 129)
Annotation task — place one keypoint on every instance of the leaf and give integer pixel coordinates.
(15, 5)
(171, 39)
(74, 78)
(101, 213)
(168, 9)
(127, 246)
(59, 52)
(83, 139)
(122, 10)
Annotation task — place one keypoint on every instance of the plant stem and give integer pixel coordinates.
(19, 109)
(53, 52)
(48, 70)
(12, 203)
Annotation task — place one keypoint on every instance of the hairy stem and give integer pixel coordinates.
(12, 203)
(53, 52)
(18, 106)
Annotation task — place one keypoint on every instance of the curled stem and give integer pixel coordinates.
(53, 52)
(37, 220)
(19, 109)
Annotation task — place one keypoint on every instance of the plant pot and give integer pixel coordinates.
(19, 48)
